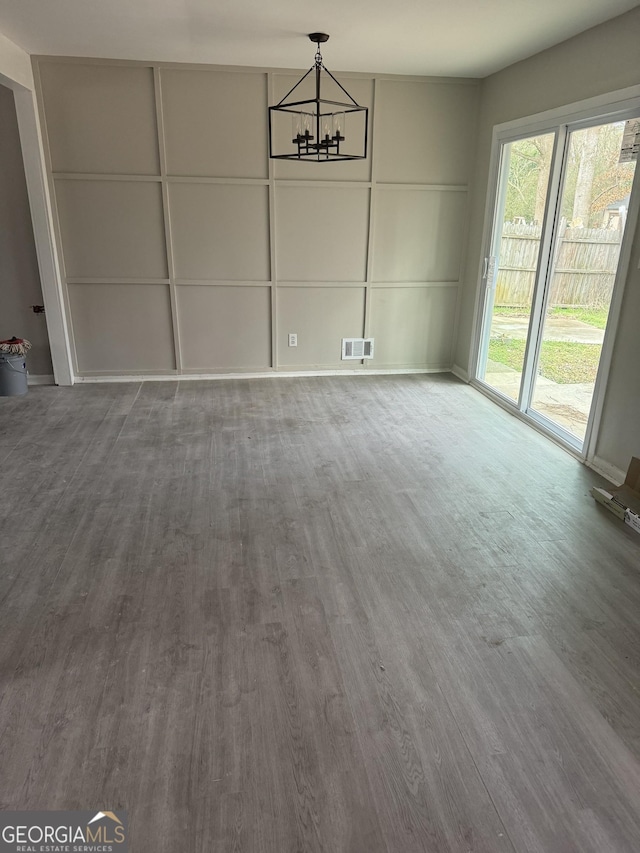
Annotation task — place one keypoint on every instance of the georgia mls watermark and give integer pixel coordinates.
(63, 832)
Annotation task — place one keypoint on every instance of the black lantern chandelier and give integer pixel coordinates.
(316, 128)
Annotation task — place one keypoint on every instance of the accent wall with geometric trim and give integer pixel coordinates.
(185, 250)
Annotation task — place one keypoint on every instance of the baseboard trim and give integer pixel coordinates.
(40, 379)
(606, 469)
(460, 373)
(282, 374)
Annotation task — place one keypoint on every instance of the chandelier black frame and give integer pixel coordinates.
(318, 125)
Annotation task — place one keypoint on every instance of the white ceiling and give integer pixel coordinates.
(441, 37)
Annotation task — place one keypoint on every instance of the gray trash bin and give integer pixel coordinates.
(13, 369)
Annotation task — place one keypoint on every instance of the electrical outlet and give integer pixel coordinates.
(293, 339)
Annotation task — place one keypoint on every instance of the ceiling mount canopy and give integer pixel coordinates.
(315, 127)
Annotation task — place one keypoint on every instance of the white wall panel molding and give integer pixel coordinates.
(322, 232)
(321, 317)
(220, 231)
(417, 235)
(191, 179)
(97, 176)
(156, 376)
(215, 124)
(291, 182)
(375, 124)
(19, 75)
(122, 327)
(412, 326)
(166, 218)
(100, 118)
(245, 250)
(112, 229)
(220, 282)
(87, 280)
(337, 284)
(271, 171)
(427, 135)
(400, 187)
(225, 328)
(419, 284)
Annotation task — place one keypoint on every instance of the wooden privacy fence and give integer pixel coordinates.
(586, 260)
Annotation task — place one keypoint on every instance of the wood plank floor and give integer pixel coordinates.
(357, 614)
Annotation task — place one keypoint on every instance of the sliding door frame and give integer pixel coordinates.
(616, 106)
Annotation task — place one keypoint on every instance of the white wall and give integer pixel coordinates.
(16, 73)
(19, 276)
(186, 250)
(15, 65)
(601, 60)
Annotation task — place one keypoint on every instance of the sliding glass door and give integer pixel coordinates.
(512, 266)
(594, 201)
(562, 199)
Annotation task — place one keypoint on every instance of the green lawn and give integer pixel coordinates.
(561, 361)
(593, 316)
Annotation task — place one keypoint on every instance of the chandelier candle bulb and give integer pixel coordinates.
(307, 124)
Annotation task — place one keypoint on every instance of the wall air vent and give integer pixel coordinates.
(357, 348)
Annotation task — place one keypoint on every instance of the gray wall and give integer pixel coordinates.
(186, 250)
(19, 277)
(596, 62)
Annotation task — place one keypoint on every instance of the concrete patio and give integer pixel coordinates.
(566, 404)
